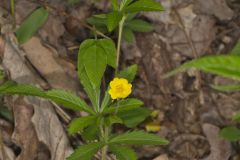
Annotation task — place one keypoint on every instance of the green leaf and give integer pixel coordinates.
(95, 62)
(68, 100)
(236, 117)
(236, 49)
(129, 73)
(125, 3)
(138, 138)
(31, 25)
(222, 65)
(6, 113)
(139, 25)
(90, 133)
(114, 4)
(86, 152)
(134, 117)
(94, 55)
(11, 88)
(230, 133)
(98, 20)
(110, 50)
(78, 124)
(130, 16)
(113, 19)
(92, 92)
(113, 119)
(144, 5)
(128, 35)
(123, 153)
(65, 98)
(124, 105)
(106, 100)
(226, 88)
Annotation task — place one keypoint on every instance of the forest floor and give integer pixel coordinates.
(190, 113)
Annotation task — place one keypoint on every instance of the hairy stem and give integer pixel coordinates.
(121, 25)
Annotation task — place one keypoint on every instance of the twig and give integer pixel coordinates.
(194, 51)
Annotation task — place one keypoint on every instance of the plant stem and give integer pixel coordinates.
(12, 8)
(121, 25)
(105, 138)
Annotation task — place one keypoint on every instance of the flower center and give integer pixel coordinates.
(119, 88)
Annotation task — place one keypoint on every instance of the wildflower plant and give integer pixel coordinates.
(114, 106)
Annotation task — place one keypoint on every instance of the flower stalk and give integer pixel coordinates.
(120, 31)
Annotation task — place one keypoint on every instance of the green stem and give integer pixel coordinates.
(121, 25)
(116, 110)
(12, 8)
(106, 130)
(105, 133)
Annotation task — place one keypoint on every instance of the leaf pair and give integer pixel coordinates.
(85, 152)
(130, 7)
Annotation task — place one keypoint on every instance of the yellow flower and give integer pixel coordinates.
(119, 88)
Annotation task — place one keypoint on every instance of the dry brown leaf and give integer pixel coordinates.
(47, 126)
(45, 62)
(220, 148)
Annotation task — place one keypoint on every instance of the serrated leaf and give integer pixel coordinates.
(123, 153)
(144, 5)
(124, 105)
(128, 35)
(134, 117)
(78, 124)
(236, 49)
(11, 88)
(129, 73)
(113, 19)
(31, 25)
(138, 138)
(236, 117)
(86, 152)
(68, 100)
(230, 133)
(222, 65)
(226, 88)
(139, 25)
(65, 98)
(93, 93)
